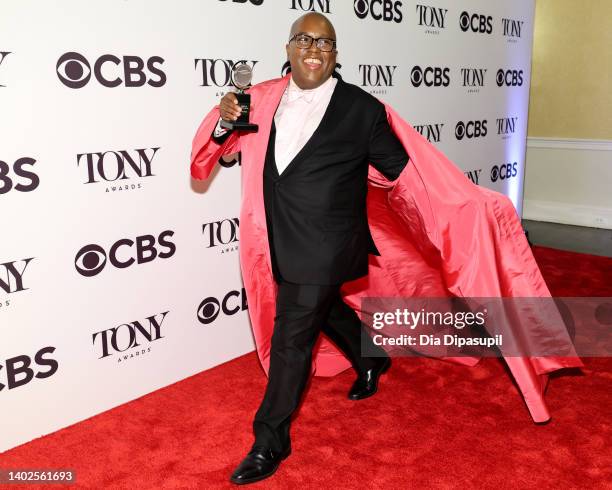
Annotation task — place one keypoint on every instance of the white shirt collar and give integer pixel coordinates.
(294, 92)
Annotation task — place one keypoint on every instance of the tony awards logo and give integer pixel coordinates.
(242, 75)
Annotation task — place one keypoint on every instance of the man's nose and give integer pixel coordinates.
(313, 47)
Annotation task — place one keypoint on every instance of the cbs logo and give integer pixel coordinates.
(504, 171)
(75, 71)
(19, 371)
(91, 259)
(387, 10)
(509, 78)
(471, 129)
(482, 24)
(30, 179)
(430, 76)
(210, 308)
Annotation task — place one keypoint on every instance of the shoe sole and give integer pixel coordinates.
(255, 479)
(259, 478)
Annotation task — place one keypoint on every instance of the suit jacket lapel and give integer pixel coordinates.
(263, 115)
(254, 147)
(272, 149)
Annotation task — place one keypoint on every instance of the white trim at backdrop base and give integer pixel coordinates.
(569, 181)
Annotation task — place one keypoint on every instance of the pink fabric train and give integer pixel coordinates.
(439, 235)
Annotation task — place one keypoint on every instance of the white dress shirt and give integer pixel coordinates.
(298, 115)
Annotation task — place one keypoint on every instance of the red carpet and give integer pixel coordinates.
(432, 425)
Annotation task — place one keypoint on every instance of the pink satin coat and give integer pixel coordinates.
(439, 235)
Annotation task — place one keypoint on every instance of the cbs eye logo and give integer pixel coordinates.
(74, 71)
(210, 308)
(92, 258)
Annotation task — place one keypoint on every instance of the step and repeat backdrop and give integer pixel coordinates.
(119, 275)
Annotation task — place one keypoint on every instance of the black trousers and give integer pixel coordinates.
(302, 312)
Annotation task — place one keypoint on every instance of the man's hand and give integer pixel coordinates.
(229, 107)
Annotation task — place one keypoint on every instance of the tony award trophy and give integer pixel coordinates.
(241, 79)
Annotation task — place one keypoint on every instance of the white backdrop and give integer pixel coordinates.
(119, 275)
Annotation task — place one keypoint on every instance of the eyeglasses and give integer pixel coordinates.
(304, 41)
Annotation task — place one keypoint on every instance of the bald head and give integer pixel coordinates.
(312, 19)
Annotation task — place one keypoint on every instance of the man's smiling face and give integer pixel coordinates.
(311, 67)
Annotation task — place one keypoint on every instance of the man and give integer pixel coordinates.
(323, 135)
(304, 222)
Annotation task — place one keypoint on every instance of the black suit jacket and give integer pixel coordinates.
(316, 209)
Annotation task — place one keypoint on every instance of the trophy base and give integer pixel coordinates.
(239, 125)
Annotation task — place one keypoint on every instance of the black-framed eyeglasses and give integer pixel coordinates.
(304, 41)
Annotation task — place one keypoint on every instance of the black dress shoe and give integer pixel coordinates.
(367, 383)
(260, 463)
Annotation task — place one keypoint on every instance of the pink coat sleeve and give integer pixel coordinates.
(205, 152)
